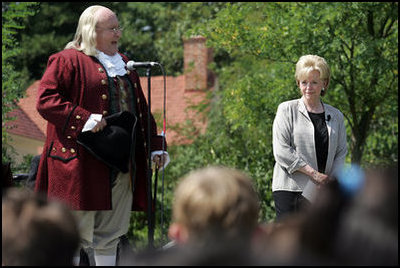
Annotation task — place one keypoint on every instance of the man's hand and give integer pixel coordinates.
(159, 160)
(100, 126)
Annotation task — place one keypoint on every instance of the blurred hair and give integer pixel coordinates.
(36, 231)
(216, 201)
(368, 234)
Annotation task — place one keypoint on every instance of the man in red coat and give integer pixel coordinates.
(82, 85)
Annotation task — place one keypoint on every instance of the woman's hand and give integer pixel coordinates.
(320, 178)
(317, 177)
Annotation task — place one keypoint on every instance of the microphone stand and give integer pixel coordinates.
(151, 207)
(150, 216)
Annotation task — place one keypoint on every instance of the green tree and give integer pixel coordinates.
(359, 40)
(13, 17)
(263, 42)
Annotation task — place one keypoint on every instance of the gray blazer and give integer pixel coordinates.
(294, 145)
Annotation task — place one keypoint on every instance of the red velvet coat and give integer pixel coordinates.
(74, 86)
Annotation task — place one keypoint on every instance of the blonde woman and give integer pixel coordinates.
(309, 138)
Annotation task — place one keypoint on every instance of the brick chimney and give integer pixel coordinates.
(196, 58)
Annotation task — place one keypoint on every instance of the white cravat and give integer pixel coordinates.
(114, 64)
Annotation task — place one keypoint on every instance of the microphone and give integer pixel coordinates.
(328, 117)
(131, 65)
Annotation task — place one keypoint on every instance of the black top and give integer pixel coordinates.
(321, 139)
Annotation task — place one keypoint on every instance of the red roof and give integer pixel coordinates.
(28, 123)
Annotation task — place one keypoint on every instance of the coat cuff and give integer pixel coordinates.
(75, 122)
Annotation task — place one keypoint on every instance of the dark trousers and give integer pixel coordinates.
(288, 202)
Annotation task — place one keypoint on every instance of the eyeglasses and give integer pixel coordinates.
(114, 30)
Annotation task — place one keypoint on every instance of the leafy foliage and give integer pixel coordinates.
(264, 41)
(13, 21)
(359, 41)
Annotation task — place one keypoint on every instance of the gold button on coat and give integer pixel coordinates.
(73, 127)
(103, 82)
(78, 117)
(105, 112)
(104, 96)
(69, 137)
(63, 150)
(72, 150)
(101, 70)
